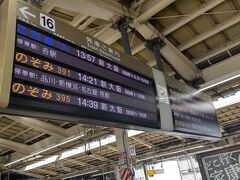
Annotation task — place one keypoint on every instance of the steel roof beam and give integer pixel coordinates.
(87, 7)
(47, 172)
(202, 9)
(149, 8)
(138, 48)
(19, 147)
(213, 53)
(98, 157)
(47, 8)
(20, 133)
(86, 23)
(113, 6)
(7, 127)
(78, 19)
(216, 29)
(112, 148)
(180, 62)
(221, 71)
(110, 36)
(149, 145)
(102, 30)
(40, 126)
(75, 130)
(152, 7)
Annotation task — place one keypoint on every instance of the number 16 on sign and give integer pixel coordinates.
(47, 22)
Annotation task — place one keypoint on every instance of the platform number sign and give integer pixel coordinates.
(47, 22)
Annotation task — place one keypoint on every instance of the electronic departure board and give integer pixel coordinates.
(192, 112)
(59, 71)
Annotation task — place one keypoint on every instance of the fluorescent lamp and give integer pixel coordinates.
(227, 101)
(134, 133)
(41, 163)
(44, 150)
(221, 81)
(77, 150)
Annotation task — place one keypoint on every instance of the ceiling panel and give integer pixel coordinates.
(187, 6)
(224, 11)
(216, 41)
(233, 32)
(197, 51)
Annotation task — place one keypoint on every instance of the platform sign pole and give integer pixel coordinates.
(123, 148)
(117, 174)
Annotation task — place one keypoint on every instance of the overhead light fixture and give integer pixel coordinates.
(77, 150)
(231, 76)
(227, 101)
(65, 141)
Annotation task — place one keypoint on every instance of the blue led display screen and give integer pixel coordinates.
(58, 77)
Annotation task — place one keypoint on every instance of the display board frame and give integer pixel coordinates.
(167, 120)
(193, 94)
(13, 10)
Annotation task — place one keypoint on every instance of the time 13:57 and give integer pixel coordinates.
(86, 56)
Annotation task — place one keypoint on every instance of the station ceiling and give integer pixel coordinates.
(202, 42)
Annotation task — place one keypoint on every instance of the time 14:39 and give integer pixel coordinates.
(88, 103)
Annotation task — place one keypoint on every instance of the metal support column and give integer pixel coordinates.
(155, 45)
(121, 134)
(122, 25)
(116, 171)
(123, 150)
